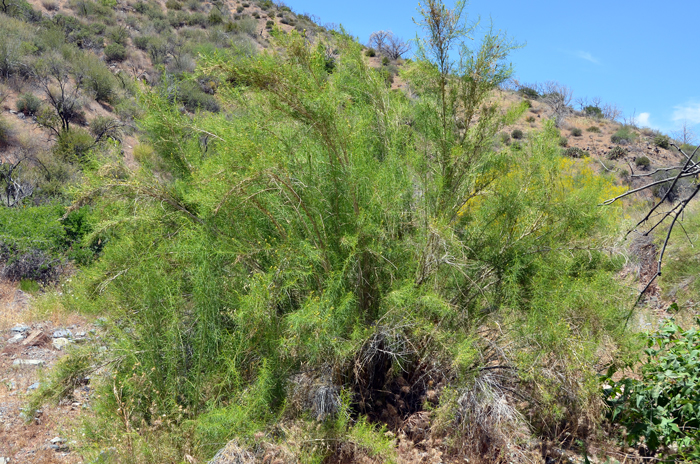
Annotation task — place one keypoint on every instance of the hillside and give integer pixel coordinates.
(232, 235)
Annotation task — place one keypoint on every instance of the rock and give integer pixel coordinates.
(28, 362)
(33, 386)
(4, 460)
(57, 440)
(81, 335)
(62, 333)
(35, 338)
(20, 328)
(16, 339)
(60, 343)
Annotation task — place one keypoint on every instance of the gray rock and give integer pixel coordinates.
(57, 440)
(28, 362)
(16, 339)
(62, 333)
(33, 386)
(4, 460)
(20, 328)
(60, 343)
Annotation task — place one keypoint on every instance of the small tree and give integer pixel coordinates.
(685, 134)
(558, 98)
(62, 85)
(397, 47)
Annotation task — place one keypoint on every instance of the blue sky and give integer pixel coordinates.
(643, 56)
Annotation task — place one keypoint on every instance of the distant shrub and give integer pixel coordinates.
(28, 103)
(73, 146)
(623, 136)
(141, 42)
(642, 162)
(385, 61)
(662, 141)
(5, 131)
(173, 5)
(239, 9)
(593, 111)
(193, 98)
(517, 134)
(198, 19)
(118, 35)
(269, 24)
(256, 15)
(528, 92)
(245, 26)
(505, 138)
(115, 52)
(576, 132)
(371, 52)
(530, 119)
(575, 152)
(193, 5)
(50, 5)
(215, 18)
(616, 153)
(563, 141)
(595, 129)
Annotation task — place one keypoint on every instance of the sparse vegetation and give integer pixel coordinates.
(517, 134)
(28, 103)
(662, 141)
(594, 129)
(642, 162)
(623, 136)
(576, 132)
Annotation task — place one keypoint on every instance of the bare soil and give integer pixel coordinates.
(31, 441)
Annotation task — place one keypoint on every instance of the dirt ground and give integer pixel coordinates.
(28, 347)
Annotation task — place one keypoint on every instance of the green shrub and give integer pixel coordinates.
(28, 103)
(173, 5)
(193, 98)
(528, 92)
(623, 136)
(575, 152)
(594, 129)
(505, 138)
(576, 132)
(239, 9)
(269, 24)
(662, 141)
(661, 406)
(616, 153)
(642, 162)
(517, 134)
(370, 52)
(563, 141)
(74, 145)
(5, 131)
(115, 52)
(118, 35)
(530, 119)
(593, 112)
(385, 61)
(215, 18)
(141, 42)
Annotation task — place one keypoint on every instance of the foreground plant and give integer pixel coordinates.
(326, 255)
(660, 410)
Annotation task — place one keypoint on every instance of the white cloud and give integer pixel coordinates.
(587, 56)
(643, 120)
(689, 111)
